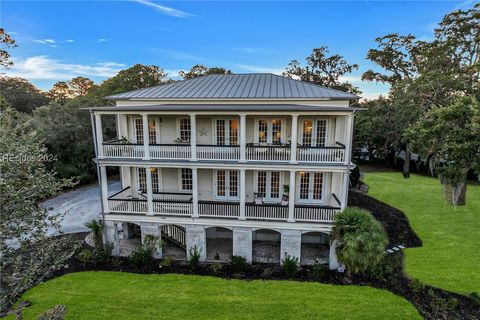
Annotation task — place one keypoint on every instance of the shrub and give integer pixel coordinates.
(194, 257)
(56, 313)
(452, 303)
(416, 285)
(97, 229)
(290, 265)
(143, 256)
(238, 263)
(86, 256)
(386, 267)
(475, 297)
(166, 262)
(355, 175)
(216, 267)
(361, 239)
(317, 271)
(266, 273)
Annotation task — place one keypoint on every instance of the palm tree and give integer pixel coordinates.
(97, 230)
(362, 239)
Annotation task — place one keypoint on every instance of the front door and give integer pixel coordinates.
(310, 187)
(314, 133)
(269, 186)
(226, 185)
(226, 132)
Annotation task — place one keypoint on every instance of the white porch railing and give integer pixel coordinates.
(170, 151)
(321, 154)
(214, 152)
(266, 211)
(173, 207)
(279, 153)
(219, 209)
(123, 150)
(315, 213)
(175, 232)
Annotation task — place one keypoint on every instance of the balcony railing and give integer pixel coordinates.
(255, 152)
(180, 204)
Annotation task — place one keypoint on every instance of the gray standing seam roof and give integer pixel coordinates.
(236, 86)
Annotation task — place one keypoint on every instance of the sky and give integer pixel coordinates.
(59, 40)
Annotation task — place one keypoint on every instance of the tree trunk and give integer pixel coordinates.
(406, 164)
(455, 195)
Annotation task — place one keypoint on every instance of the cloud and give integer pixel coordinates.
(259, 69)
(248, 49)
(45, 41)
(45, 68)
(69, 40)
(165, 10)
(101, 40)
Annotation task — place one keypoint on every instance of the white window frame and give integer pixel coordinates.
(268, 183)
(326, 179)
(328, 126)
(227, 196)
(159, 179)
(157, 129)
(178, 128)
(133, 124)
(227, 130)
(270, 129)
(180, 181)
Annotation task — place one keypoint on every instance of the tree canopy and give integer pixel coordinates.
(21, 94)
(6, 42)
(199, 70)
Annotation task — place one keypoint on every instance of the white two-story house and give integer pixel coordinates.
(255, 165)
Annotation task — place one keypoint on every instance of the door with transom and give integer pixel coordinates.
(310, 187)
(226, 185)
(226, 132)
(268, 186)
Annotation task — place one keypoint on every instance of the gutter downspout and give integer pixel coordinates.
(99, 178)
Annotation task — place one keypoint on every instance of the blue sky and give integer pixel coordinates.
(58, 40)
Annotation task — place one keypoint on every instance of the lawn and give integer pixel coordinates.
(114, 295)
(450, 255)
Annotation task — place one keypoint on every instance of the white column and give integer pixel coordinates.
(333, 263)
(193, 137)
(148, 175)
(146, 137)
(99, 133)
(242, 194)
(290, 244)
(196, 238)
(242, 243)
(345, 186)
(195, 192)
(293, 139)
(104, 186)
(112, 237)
(348, 138)
(243, 138)
(291, 198)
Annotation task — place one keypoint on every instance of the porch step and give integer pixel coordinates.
(175, 234)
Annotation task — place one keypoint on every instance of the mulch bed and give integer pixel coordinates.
(394, 221)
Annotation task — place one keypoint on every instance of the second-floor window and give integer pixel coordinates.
(310, 187)
(152, 130)
(268, 185)
(142, 179)
(270, 131)
(226, 132)
(138, 122)
(186, 179)
(184, 129)
(314, 133)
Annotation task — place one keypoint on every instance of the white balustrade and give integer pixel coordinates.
(315, 213)
(266, 212)
(123, 150)
(170, 151)
(318, 154)
(219, 209)
(175, 232)
(268, 153)
(213, 152)
(174, 207)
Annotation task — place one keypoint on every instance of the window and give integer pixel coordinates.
(221, 190)
(262, 131)
(314, 133)
(233, 132)
(142, 180)
(262, 184)
(310, 187)
(220, 132)
(275, 183)
(233, 183)
(138, 122)
(185, 129)
(268, 185)
(152, 130)
(226, 184)
(155, 184)
(187, 181)
(269, 131)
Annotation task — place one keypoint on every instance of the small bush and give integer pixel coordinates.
(238, 263)
(56, 313)
(355, 175)
(216, 267)
(452, 303)
(266, 273)
(86, 256)
(194, 257)
(416, 285)
(475, 297)
(290, 265)
(143, 256)
(386, 267)
(317, 271)
(166, 262)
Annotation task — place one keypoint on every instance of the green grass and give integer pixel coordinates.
(450, 255)
(113, 295)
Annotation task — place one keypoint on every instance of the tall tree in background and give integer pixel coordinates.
(60, 92)
(21, 94)
(450, 135)
(323, 70)
(79, 86)
(136, 77)
(199, 70)
(6, 42)
(28, 252)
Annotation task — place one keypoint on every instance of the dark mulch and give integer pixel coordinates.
(394, 221)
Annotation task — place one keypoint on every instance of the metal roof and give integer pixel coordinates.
(236, 86)
(224, 107)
